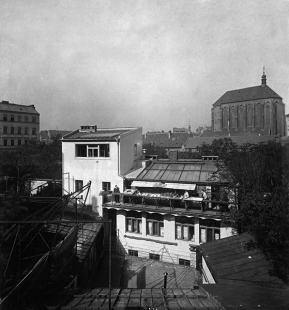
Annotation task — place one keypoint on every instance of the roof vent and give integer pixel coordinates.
(88, 128)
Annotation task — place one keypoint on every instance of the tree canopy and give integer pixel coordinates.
(260, 174)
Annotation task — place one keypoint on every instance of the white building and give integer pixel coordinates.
(99, 155)
(152, 222)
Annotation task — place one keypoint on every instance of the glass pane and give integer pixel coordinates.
(150, 228)
(176, 167)
(161, 229)
(129, 225)
(191, 233)
(203, 235)
(160, 166)
(135, 225)
(209, 235)
(185, 231)
(95, 152)
(179, 231)
(155, 229)
(217, 234)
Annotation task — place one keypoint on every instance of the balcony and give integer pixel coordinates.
(193, 206)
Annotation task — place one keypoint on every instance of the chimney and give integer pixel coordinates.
(170, 134)
(173, 155)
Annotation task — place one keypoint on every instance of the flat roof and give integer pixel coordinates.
(99, 134)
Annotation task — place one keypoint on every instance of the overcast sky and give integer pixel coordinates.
(152, 64)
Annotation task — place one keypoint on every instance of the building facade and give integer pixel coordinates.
(254, 110)
(163, 214)
(18, 123)
(101, 156)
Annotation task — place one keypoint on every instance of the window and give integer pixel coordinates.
(133, 253)
(233, 118)
(92, 150)
(33, 119)
(154, 256)
(249, 115)
(5, 129)
(19, 118)
(5, 142)
(26, 130)
(19, 130)
(209, 230)
(134, 222)
(184, 262)
(34, 131)
(185, 229)
(258, 116)
(5, 117)
(19, 142)
(106, 186)
(12, 142)
(12, 118)
(155, 224)
(225, 118)
(12, 130)
(26, 119)
(241, 117)
(78, 184)
(135, 150)
(267, 115)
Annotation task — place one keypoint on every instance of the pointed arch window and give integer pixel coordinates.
(233, 120)
(249, 115)
(225, 118)
(241, 117)
(258, 116)
(267, 115)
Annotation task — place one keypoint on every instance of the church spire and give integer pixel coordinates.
(263, 80)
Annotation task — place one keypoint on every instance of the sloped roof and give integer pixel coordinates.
(236, 259)
(245, 94)
(173, 140)
(12, 107)
(193, 143)
(100, 134)
(248, 297)
(193, 171)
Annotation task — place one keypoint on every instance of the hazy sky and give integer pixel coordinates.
(152, 64)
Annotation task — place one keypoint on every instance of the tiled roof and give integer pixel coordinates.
(100, 134)
(248, 297)
(193, 143)
(245, 94)
(166, 140)
(236, 260)
(12, 107)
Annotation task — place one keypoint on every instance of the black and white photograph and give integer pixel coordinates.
(144, 154)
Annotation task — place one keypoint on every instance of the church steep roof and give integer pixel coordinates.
(245, 94)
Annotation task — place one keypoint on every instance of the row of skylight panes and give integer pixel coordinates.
(171, 175)
(163, 166)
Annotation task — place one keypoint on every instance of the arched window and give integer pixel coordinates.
(249, 115)
(233, 123)
(267, 115)
(258, 116)
(241, 117)
(225, 118)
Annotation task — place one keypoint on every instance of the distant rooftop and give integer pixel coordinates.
(245, 94)
(12, 107)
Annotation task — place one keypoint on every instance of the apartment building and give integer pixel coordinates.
(18, 123)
